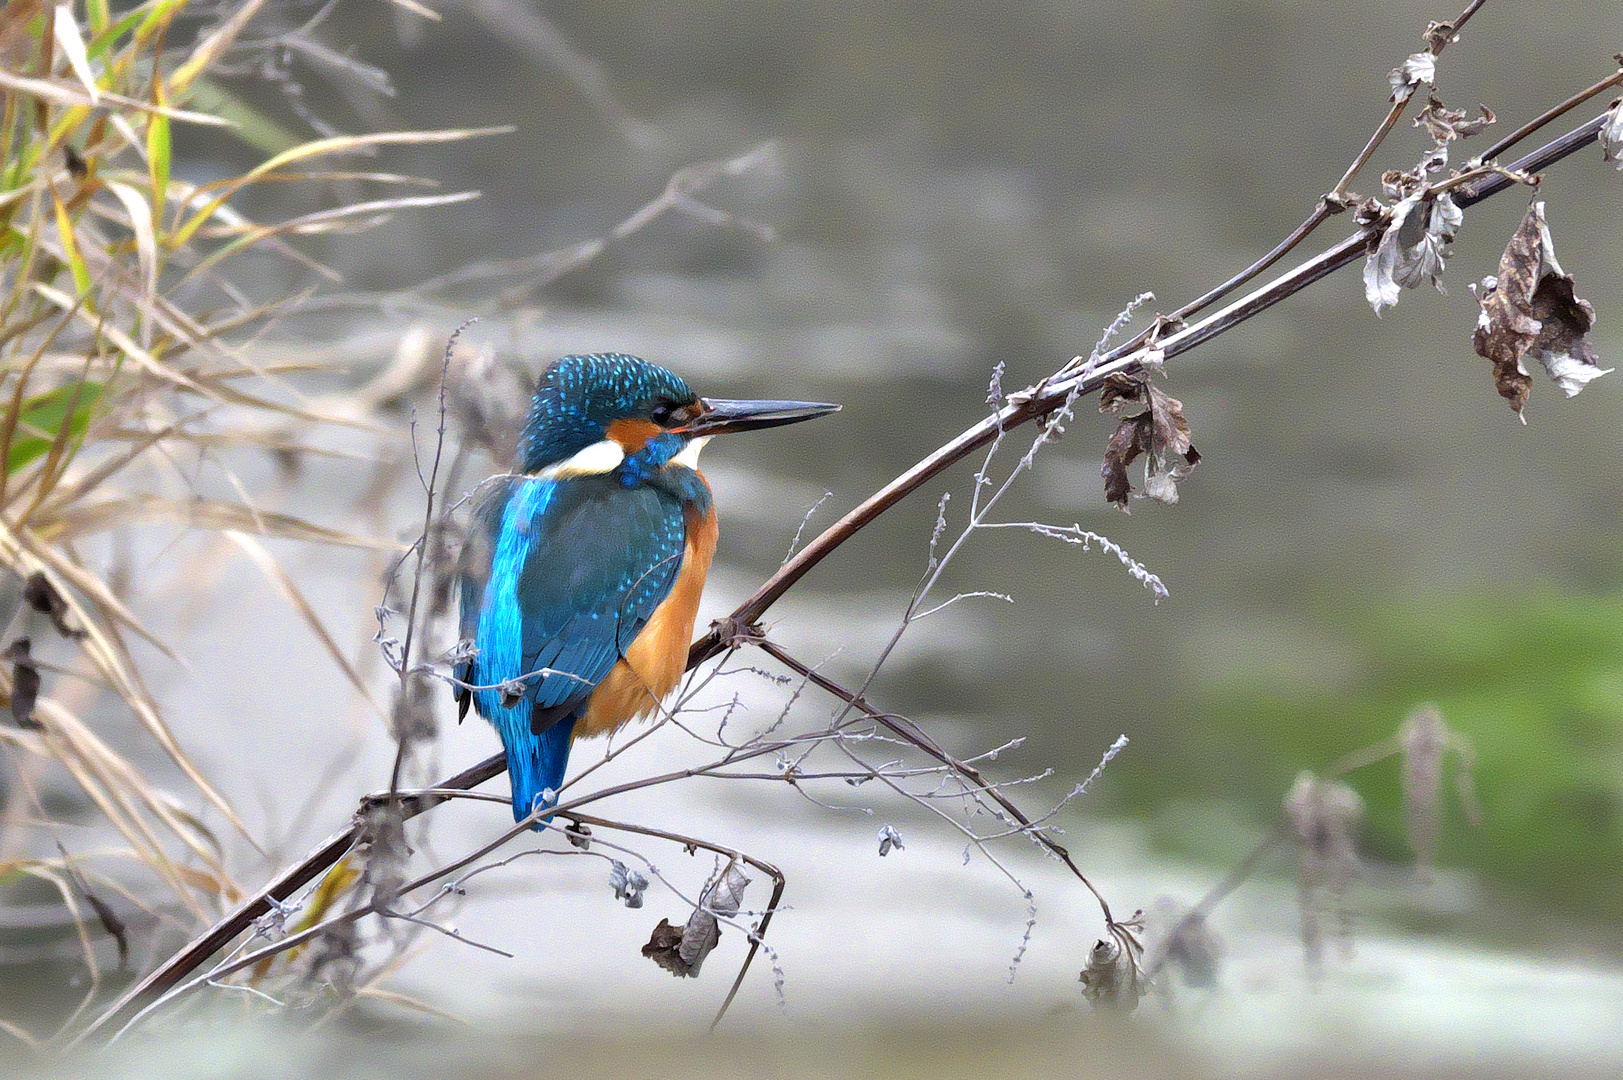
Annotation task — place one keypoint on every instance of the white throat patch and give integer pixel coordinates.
(595, 460)
(689, 455)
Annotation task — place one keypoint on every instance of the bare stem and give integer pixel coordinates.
(912, 733)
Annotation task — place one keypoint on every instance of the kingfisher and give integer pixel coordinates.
(581, 575)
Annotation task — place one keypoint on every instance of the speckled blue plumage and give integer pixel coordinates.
(565, 573)
(579, 396)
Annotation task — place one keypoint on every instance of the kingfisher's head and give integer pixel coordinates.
(602, 408)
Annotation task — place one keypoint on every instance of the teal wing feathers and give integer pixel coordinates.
(575, 570)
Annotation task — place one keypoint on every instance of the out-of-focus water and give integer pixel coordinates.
(961, 186)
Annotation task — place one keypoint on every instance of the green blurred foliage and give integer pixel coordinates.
(1534, 682)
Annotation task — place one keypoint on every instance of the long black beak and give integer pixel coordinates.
(722, 416)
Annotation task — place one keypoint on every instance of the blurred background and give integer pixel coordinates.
(947, 188)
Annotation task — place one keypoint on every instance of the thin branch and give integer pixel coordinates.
(913, 734)
(1329, 204)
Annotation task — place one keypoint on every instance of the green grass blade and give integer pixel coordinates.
(42, 418)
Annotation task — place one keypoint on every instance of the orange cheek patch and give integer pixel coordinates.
(633, 435)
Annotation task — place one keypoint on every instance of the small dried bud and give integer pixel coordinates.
(628, 884)
(889, 838)
(1611, 135)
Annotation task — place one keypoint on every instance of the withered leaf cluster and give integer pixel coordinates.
(1426, 739)
(1423, 221)
(1326, 815)
(665, 949)
(1445, 125)
(1529, 310)
(681, 950)
(1414, 248)
(1159, 432)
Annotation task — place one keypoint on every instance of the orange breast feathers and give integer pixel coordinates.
(654, 662)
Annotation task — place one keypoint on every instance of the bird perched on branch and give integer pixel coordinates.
(582, 571)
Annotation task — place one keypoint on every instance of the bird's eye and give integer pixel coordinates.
(660, 414)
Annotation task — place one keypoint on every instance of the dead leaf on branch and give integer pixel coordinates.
(1111, 981)
(1444, 124)
(663, 945)
(1413, 249)
(42, 596)
(681, 950)
(1158, 432)
(1417, 69)
(1529, 310)
(1611, 135)
(1326, 814)
(1426, 738)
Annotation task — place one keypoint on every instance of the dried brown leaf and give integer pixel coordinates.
(1130, 439)
(1529, 310)
(682, 951)
(1444, 124)
(1158, 432)
(663, 945)
(44, 598)
(110, 920)
(699, 938)
(24, 684)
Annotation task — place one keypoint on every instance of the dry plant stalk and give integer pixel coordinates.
(120, 352)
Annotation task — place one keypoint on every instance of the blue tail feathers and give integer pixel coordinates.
(536, 765)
